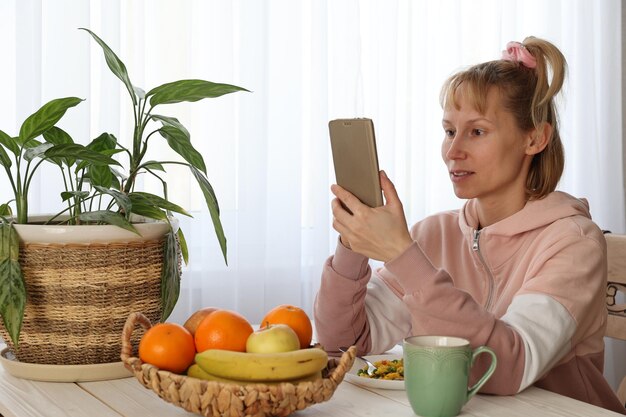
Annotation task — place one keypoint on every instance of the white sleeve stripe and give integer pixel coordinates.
(388, 317)
(546, 329)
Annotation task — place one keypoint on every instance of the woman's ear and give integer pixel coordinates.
(538, 139)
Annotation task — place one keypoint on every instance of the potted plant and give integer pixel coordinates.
(38, 274)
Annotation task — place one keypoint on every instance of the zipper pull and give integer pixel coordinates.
(475, 246)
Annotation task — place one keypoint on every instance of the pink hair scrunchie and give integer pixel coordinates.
(517, 52)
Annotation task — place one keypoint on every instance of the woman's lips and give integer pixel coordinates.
(458, 176)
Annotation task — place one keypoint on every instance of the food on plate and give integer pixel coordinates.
(168, 346)
(273, 338)
(388, 369)
(223, 329)
(245, 366)
(294, 317)
(196, 318)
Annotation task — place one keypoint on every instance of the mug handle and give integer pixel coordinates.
(494, 361)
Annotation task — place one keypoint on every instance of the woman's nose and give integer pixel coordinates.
(453, 148)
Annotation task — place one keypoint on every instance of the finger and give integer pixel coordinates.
(346, 197)
(339, 226)
(389, 190)
(340, 213)
(337, 207)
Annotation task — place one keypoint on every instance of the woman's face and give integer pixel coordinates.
(485, 153)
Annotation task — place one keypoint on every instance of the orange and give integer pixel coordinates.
(223, 329)
(294, 317)
(168, 346)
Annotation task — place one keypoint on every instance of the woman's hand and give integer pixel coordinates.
(379, 233)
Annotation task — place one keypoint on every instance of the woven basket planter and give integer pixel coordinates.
(81, 283)
(213, 398)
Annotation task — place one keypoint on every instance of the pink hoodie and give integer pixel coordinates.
(531, 287)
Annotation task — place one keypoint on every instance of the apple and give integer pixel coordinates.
(273, 339)
(194, 320)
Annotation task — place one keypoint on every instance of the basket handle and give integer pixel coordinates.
(127, 332)
(345, 363)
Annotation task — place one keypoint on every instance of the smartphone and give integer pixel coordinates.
(353, 146)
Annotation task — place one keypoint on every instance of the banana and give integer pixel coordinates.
(196, 371)
(245, 366)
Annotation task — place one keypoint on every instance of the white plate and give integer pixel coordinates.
(370, 382)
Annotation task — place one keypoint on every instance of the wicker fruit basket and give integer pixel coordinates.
(212, 398)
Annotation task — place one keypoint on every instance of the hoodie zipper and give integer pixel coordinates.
(476, 248)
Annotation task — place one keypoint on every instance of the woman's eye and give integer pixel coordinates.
(477, 132)
(449, 133)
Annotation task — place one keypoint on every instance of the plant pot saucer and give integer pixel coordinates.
(62, 373)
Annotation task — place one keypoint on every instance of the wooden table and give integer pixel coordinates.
(126, 397)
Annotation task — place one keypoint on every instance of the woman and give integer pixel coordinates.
(520, 268)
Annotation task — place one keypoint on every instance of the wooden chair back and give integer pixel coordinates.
(616, 325)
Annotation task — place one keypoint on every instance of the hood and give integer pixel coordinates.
(535, 214)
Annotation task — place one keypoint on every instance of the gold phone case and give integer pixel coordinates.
(353, 146)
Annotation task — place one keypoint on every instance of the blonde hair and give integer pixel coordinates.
(529, 95)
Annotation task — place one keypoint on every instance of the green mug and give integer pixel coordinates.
(436, 374)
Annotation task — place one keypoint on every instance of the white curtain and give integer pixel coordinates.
(306, 62)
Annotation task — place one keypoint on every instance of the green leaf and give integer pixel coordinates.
(4, 158)
(103, 142)
(5, 210)
(77, 151)
(108, 217)
(116, 65)
(9, 143)
(171, 121)
(80, 195)
(100, 175)
(12, 288)
(148, 211)
(140, 92)
(179, 140)
(115, 179)
(12, 298)
(183, 245)
(154, 165)
(117, 176)
(122, 200)
(170, 276)
(110, 152)
(214, 210)
(115, 183)
(180, 143)
(57, 136)
(155, 200)
(33, 143)
(46, 117)
(105, 152)
(37, 152)
(9, 242)
(189, 90)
